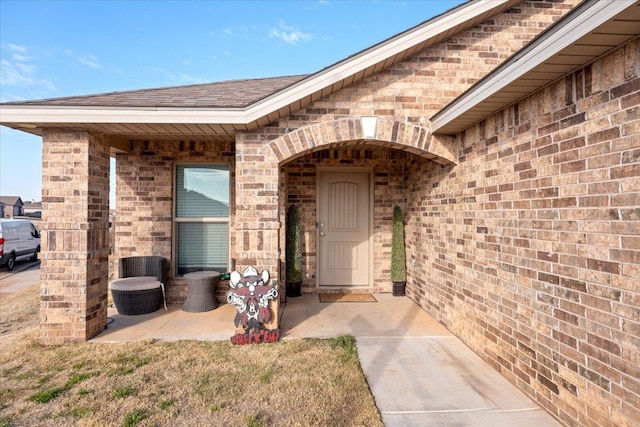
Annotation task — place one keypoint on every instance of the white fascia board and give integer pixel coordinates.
(594, 15)
(63, 114)
(317, 82)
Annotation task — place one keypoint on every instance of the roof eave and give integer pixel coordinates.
(25, 114)
(376, 54)
(31, 117)
(590, 15)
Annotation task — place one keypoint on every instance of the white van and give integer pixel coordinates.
(18, 238)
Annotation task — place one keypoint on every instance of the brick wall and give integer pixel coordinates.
(420, 86)
(406, 92)
(528, 249)
(144, 197)
(74, 232)
(256, 223)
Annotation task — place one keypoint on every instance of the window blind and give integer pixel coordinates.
(202, 191)
(202, 218)
(202, 246)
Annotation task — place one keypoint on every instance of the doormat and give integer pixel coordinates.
(346, 297)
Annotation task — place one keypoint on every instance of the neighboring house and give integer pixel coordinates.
(32, 209)
(508, 131)
(11, 206)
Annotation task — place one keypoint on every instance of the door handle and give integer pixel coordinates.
(322, 234)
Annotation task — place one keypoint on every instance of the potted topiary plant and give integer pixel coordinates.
(293, 252)
(398, 257)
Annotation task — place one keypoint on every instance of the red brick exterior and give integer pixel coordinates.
(144, 197)
(528, 249)
(75, 236)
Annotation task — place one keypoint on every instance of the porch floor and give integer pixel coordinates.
(419, 373)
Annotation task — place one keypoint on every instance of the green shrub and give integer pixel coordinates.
(398, 257)
(293, 246)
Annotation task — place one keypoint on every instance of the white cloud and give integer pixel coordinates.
(10, 98)
(20, 71)
(240, 32)
(25, 69)
(17, 48)
(22, 74)
(172, 78)
(289, 34)
(90, 61)
(186, 78)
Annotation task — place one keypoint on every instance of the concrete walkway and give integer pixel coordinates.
(419, 373)
(437, 381)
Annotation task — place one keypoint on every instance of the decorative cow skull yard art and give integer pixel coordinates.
(251, 293)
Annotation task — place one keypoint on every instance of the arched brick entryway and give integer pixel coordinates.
(351, 145)
(385, 132)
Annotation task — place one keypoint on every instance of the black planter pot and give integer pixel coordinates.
(293, 289)
(398, 288)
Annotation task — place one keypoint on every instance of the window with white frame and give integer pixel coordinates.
(202, 218)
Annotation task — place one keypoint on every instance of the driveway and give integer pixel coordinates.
(25, 274)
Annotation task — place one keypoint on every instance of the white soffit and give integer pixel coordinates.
(280, 101)
(577, 39)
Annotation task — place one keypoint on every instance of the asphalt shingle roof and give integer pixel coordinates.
(226, 94)
(10, 200)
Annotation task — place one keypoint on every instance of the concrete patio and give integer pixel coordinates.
(418, 372)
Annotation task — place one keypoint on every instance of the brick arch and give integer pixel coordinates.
(388, 133)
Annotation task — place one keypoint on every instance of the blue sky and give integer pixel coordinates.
(52, 49)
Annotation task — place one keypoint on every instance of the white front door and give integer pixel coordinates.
(343, 229)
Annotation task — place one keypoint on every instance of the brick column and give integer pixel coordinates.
(255, 238)
(75, 236)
